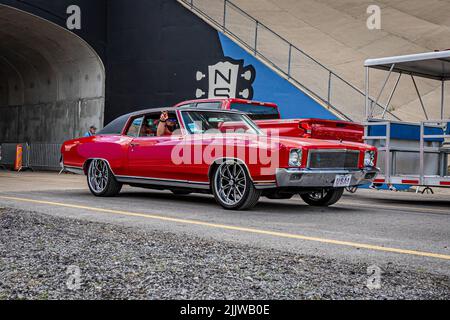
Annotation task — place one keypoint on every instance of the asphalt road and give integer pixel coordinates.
(373, 227)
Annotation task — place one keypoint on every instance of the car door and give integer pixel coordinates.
(151, 156)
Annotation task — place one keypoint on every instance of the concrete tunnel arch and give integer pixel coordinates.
(52, 83)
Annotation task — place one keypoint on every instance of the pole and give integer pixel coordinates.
(367, 92)
(224, 15)
(420, 98)
(256, 37)
(289, 61)
(442, 99)
(391, 96)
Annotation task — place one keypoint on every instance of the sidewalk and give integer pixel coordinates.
(38, 181)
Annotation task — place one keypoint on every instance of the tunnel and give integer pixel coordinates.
(52, 83)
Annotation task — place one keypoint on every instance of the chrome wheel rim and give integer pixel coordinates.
(98, 175)
(231, 183)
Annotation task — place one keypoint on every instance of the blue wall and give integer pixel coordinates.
(270, 87)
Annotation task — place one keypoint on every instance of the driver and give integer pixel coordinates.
(146, 131)
(166, 125)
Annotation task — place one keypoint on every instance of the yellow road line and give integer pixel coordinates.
(235, 228)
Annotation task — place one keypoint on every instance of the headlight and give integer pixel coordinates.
(369, 159)
(295, 158)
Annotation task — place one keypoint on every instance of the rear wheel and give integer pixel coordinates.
(101, 180)
(324, 198)
(233, 188)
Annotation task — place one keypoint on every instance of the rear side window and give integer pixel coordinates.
(135, 127)
(187, 106)
(116, 126)
(210, 105)
(256, 112)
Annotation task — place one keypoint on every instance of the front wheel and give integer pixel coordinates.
(324, 198)
(101, 180)
(233, 188)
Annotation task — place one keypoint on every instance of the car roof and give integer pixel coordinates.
(237, 100)
(156, 110)
(126, 118)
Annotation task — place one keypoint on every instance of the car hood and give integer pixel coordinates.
(292, 142)
(305, 143)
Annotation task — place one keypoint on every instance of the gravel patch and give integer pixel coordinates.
(40, 256)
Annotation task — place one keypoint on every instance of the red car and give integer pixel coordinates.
(267, 116)
(220, 152)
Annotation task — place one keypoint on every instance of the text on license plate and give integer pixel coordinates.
(343, 181)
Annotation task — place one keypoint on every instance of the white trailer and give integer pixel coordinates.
(410, 153)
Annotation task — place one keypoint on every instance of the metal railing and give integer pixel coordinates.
(298, 67)
(39, 156)
(45, 156)
(390, 169)
(442, 124)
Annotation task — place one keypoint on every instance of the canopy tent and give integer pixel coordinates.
(414, 153)
(430, 65)
(433, 65)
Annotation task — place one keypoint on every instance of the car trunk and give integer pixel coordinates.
(315, 129)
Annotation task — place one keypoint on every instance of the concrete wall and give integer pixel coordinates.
(94, 17)
(52, 122)
(335, 33)
(151, 52)
(51, 81)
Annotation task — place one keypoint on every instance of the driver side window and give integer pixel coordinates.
(151, 122)
(150, 126)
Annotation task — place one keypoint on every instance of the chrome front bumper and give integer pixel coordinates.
(323, 178)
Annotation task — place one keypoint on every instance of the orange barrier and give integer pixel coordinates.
(18, 164)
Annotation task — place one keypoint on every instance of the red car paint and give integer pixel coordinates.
(150, 157)
(305, 128)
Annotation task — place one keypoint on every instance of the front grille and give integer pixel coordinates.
(333, 159)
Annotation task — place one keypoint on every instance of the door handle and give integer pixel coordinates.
(134, 145)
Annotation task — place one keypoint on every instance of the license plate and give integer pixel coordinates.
(343, 181)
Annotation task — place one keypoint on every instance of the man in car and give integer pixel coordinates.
(166, 125)
(146, 131)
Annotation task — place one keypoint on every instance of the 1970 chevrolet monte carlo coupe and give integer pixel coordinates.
(219, 152)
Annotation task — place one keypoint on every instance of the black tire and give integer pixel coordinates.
(181, 192)
(250, 195)
(109, 187)
(325, 198)
(279, 196)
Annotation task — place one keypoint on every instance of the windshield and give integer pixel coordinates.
(115, 127)
(201, 122)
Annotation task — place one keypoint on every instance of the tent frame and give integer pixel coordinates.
(432, 65)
